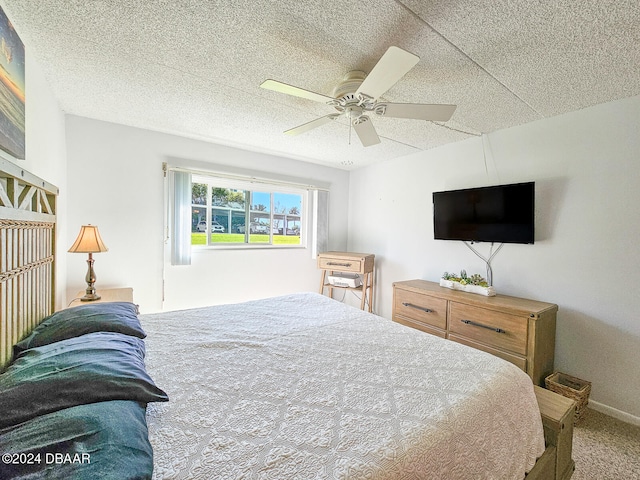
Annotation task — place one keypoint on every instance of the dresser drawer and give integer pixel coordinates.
(420, 326)
(420, 308)
(520, 362)
(495, 329)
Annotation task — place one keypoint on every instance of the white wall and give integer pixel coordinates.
(45, 152)
(586, 166)
(116, 182)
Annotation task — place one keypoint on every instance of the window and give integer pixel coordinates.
(236, 213)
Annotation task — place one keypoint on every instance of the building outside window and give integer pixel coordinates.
(224, 212)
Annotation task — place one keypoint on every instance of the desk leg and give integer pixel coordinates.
(322, 278)
(372, 289)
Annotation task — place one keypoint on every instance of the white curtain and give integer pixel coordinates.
(180, 194)
(320, 240)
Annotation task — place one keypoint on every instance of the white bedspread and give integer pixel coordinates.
(303, 387)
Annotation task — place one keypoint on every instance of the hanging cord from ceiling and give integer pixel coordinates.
(486, 260)
(484, 156)
(486, 145)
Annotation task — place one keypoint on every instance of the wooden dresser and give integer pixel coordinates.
(516, 329)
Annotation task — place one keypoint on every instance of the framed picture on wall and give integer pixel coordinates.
(12, 90)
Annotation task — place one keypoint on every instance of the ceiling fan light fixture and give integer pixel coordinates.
(353, 112)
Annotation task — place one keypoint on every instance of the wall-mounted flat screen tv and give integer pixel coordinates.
(501, 214)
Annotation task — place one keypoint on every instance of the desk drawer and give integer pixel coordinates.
(496, 329)
(420, 308)
(341, 264)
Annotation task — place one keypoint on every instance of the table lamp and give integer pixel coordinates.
(89, 241)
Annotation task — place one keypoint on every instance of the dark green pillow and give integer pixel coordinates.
(91, 368)
(100, 441)
(119, 317)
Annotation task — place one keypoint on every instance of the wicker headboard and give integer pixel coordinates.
(27, 251)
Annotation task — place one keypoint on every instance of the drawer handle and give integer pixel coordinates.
(406, 304)
(476, 324)
(336, 264)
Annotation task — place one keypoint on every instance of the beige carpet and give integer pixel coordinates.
(605, 448)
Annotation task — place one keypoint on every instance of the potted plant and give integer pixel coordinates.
(472, 284)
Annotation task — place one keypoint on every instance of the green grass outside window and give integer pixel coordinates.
(200, 239)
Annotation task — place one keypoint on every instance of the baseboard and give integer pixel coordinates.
(615, 413)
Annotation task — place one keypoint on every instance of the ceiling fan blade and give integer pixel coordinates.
(366, 131)
(419, 111)
(391, 67)
(305, 127)
(295, 91)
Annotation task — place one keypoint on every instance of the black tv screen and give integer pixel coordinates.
(501, 213)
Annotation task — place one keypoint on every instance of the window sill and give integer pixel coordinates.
(231, 246)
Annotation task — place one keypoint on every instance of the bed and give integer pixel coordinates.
(302, 386)
(298, 386)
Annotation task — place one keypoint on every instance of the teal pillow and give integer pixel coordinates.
(119, 317)
(105, 440)
(91, 368)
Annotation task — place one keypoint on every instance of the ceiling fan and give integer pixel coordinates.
(359, 93)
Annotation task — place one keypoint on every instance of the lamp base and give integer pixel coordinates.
(90, 297)
(90, 292)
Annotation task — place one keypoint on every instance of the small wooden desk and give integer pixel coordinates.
(360, 263)
(107, 295)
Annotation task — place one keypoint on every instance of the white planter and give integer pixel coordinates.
(486, 291)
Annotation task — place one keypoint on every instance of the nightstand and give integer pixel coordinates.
(107, 295)
(557, 419)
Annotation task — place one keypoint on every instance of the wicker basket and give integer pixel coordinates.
(570, 387)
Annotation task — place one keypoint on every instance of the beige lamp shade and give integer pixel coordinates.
(88, 241)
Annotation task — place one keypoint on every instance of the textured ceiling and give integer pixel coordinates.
(193, 68)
